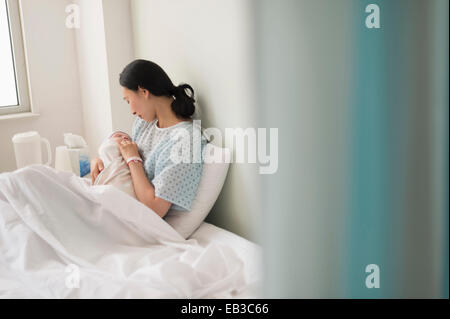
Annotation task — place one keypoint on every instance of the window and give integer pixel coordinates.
(14, 94)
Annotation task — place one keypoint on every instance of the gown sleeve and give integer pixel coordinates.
(177, 182)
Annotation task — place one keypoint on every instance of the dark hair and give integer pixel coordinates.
(150, 76)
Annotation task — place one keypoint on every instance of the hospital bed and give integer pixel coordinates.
(61, 238)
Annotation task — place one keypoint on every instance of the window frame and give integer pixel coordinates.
(15, 18)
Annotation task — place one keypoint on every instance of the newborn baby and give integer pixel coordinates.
(116, 171)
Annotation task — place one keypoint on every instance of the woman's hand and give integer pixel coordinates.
(128, 149)
(96, 167)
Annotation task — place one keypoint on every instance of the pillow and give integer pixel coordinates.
(214, 172)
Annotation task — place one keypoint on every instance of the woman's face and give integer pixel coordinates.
(140, 103)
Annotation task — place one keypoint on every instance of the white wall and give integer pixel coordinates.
(53, 76)
(208, 44)
(120, 52)
(104, 47)
(93, 69)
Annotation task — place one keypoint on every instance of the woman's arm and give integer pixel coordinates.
(145, 192)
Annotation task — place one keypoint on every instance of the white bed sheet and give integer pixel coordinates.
(51, 221)
(249, 253)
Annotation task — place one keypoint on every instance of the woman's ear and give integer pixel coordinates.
(144, 92)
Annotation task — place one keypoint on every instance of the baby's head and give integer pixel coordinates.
(109, 149)
(117, 136)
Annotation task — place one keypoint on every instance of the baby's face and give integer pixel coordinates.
(119, 136)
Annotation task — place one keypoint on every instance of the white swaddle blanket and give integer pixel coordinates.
(116, 171)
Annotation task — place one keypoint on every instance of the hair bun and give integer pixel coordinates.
(180, 90)
(183, 105)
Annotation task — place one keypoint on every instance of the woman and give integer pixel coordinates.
(160, 109)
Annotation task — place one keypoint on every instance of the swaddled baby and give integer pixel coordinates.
(116, 171)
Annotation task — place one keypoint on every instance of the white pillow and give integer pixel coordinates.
(213, 176)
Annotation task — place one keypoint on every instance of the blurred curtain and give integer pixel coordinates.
(399, 147)
(363, 147)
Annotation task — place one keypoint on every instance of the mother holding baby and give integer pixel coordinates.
(159, 107)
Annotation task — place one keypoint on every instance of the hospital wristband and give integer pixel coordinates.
(133, 159)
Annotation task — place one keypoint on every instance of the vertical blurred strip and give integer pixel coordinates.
(304, 67)
(399, 166)
(369, 190)
(440, 84)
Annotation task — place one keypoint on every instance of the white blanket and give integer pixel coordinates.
(61, 238)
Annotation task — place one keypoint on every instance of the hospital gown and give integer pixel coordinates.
(174, 181)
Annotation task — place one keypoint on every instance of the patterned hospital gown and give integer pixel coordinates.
(176, 182)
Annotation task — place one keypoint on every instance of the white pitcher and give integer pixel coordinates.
(27, 148)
